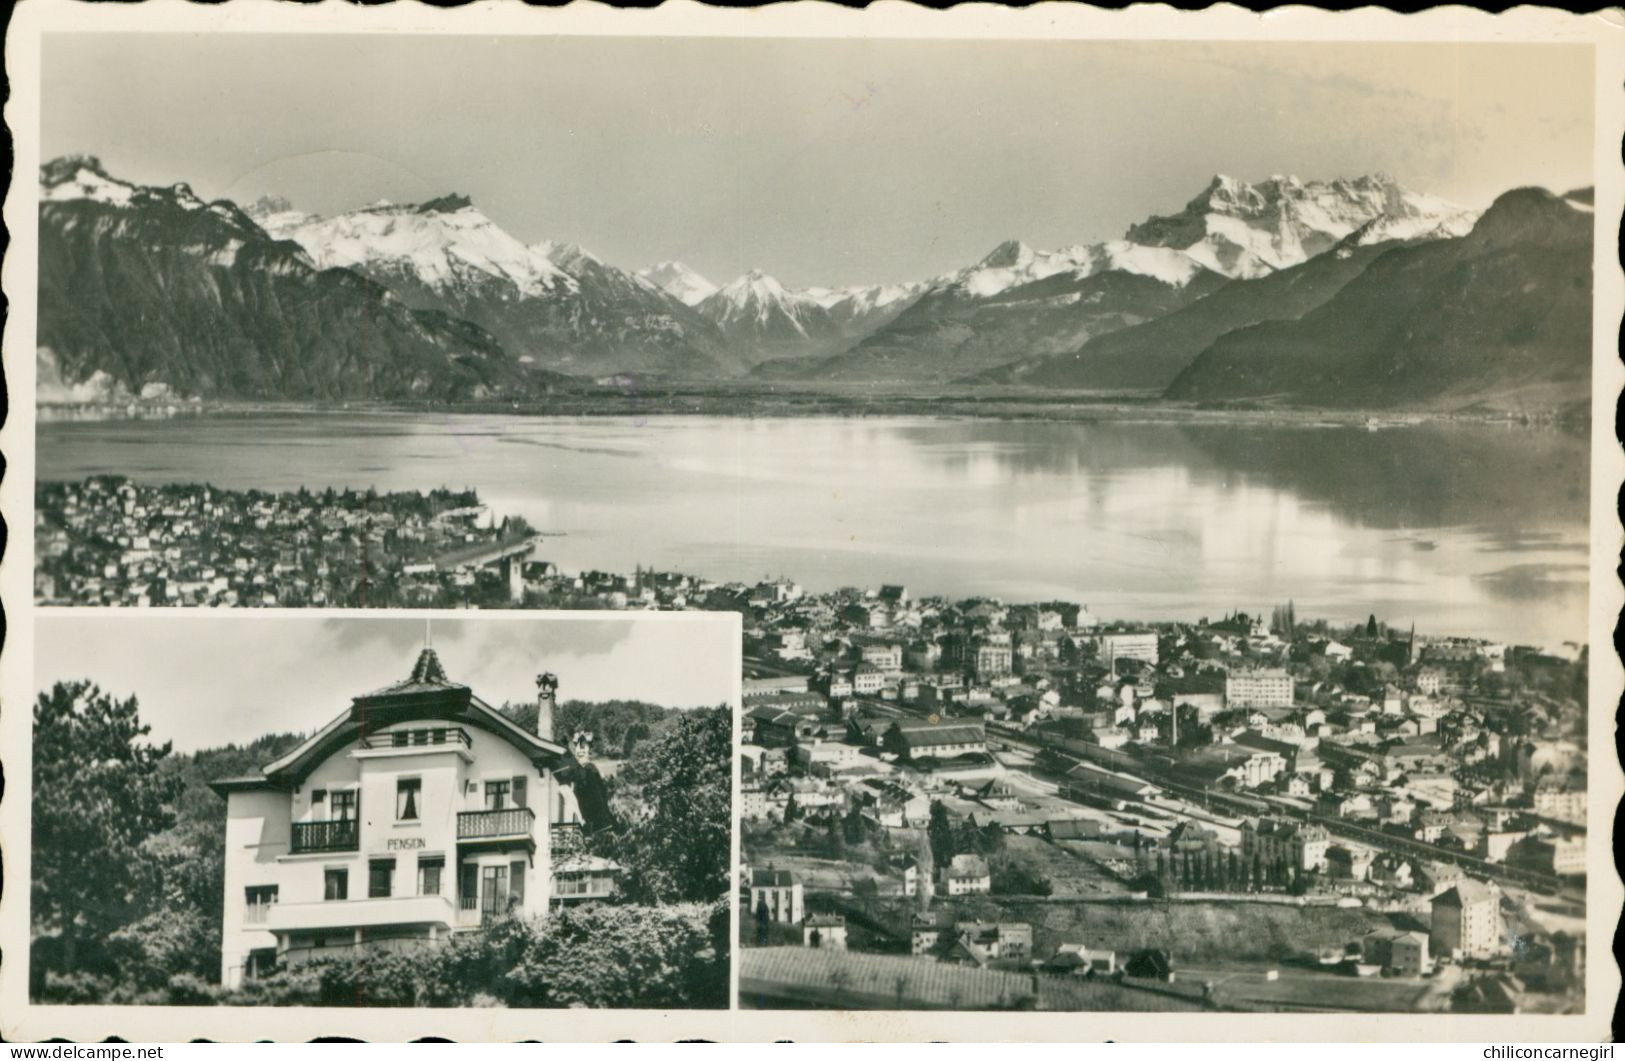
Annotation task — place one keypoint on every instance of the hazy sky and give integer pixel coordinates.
(823, 162)
(207, 681)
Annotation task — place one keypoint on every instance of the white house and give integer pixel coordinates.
(418, 812)
(968, 875)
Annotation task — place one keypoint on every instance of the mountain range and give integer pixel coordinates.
(146, 290)
(1498, 318)
(1251, 291)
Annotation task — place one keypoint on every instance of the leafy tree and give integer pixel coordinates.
(99, 793)
(834, 839)
(852, 826)
(1010, 878)
(621, 957)
(939, 830)
(676, 846)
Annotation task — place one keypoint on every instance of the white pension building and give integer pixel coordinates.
(418, 812)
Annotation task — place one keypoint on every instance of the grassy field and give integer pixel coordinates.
(823, 874)
(1069, 875)
(1192, 932)
(1248, 987)
(795, 977)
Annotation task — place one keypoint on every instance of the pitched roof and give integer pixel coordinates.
(428, 676)
(1465, 892)
(968, 866)
(927, 735)
(425, 693)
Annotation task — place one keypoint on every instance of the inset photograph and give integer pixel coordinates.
(310, 811)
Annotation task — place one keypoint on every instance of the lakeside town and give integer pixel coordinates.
(979, 805)
(974, 804)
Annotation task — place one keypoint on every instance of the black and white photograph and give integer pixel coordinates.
(1139, 498)
(377, 811)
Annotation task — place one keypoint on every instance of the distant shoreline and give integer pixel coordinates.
(853, 402)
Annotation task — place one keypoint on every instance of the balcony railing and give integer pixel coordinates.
(341, 834)
(491, 824)
(567, 838)
(417, 738)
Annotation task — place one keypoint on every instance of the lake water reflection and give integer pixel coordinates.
(1461, 528)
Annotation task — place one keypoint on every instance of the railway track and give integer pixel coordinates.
(1251, 806)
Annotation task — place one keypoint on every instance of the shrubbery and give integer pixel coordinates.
(640, 957)
(668, 957)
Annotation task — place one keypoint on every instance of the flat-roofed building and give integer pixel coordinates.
(1259, 687)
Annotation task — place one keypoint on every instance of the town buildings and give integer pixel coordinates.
(1277, 840)
(777, 895)
(1261, 687)
(1467, 921)
(1397, 951)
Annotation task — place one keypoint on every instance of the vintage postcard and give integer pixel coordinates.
(811, 523)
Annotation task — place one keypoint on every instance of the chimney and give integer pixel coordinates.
(547, 692)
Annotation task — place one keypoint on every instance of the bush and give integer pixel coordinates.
(623, 957)
(184, 989)
(151, 952)
(75, 989)
(670, 957)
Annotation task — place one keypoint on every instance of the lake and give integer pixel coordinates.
(1470, 529)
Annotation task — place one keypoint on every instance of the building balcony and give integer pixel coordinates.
(361, 913)
(340, 834)
(567, 838)
(510, 823)
(420, 741)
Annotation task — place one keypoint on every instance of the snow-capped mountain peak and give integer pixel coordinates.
(756, 302)
(755, 289)
(276, 215)
(438, 243)
(83, 177)
(1011, 254)
(567, 256)
(1013, 264)
(1248, 230)
(679, 281)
